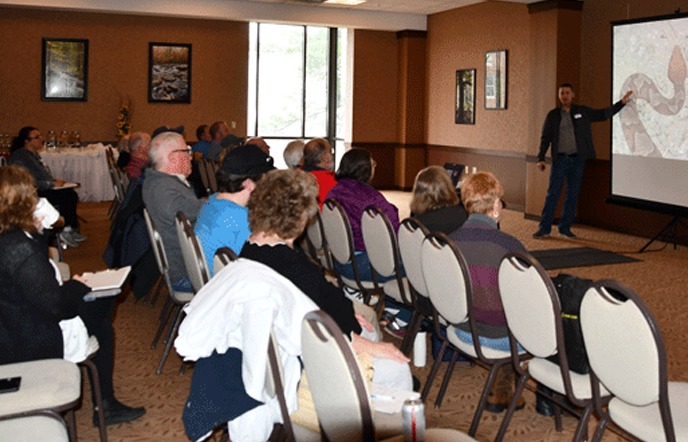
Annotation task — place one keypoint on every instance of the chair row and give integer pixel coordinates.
(625, 349)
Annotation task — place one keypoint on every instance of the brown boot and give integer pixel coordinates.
(502, 391)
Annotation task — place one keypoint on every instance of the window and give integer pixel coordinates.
(296, 85)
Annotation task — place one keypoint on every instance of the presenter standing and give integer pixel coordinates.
(567, 129)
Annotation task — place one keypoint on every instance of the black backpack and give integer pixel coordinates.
(571, 290)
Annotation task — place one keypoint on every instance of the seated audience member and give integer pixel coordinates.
(218, 130)
(435, 203)
(223, 219)
(355, 194)
(484, 245)
(318, 159)
(280, 208)
(25, 149)
(165, 192)
(33, 301)
(200, 149)
(257, 141)
(139, 145)
(293, 154)
(162, 129)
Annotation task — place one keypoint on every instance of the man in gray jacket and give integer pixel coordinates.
(165, 192)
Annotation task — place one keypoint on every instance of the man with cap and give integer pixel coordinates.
(218, 130)
(162, 129)
(223, 220)
(167, 191)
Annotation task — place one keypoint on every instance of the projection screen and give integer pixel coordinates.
(649, 158)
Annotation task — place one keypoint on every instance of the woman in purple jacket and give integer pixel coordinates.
(353, 192)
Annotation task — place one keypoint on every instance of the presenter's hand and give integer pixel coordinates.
(541, 166)
(626, 98)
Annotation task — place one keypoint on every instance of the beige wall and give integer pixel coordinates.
(458, 39)
(118, 71)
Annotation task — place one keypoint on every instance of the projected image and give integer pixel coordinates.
(650, 60)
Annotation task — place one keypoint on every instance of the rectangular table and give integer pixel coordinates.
(86, 166)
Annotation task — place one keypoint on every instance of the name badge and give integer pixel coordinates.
(577, 116)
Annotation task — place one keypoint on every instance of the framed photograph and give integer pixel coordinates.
(65, 69)
(465, 97)
(169, 73)
(495, 80)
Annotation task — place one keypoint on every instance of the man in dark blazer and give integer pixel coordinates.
(567, 129)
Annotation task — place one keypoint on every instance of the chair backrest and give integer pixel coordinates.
(531, 304)
(316, 236)
(113, 171)
(274, 384)
(625, 347)
(156, 242)
(446, 277)
(223, 256)
(194, 258)
(211, 170)
(411, 235)
(341, 397)
(203, 173)
(3, 161)
(337, 231)
(380, 241)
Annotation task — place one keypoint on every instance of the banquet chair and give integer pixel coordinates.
(117, 184)
(211, 170)
(194, 257)
(627, 355)
(176, 300)
(315, 233)
(341, 396)
(45, 425)
(383, 251)
(450, 289)
(46, 384)
(203, 174)
(340, 240)
(223, 256)
(533, 315)
(410, 238)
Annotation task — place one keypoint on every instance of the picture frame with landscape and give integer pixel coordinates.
(464, 112)
(64, 69)
(169, 73)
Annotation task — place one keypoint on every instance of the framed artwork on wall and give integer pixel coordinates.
(169, 73)
(465, 97)
(64, 69)
(495, 80)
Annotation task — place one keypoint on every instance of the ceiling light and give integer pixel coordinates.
(344, 2)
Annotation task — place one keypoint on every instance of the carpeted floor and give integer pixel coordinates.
(659, 278)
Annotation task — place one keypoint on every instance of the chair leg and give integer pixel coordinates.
(433, 372)
(411, 332)
(445, 381)
(71, 425)
(483, 399)
(601, 426)
(176, 312)
(173, 332)
(157, 292)
(95, 385)
(581, 433)
(557, 417)
(166, 311)
(520, 385)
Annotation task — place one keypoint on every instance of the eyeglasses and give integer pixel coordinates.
(186, 151)
(35, 138)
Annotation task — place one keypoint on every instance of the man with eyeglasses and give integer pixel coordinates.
(167, 191)
(25, 153)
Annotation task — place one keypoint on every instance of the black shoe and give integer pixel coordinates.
(567, 234)
(543, 405)
(116, 412)
(540, 234)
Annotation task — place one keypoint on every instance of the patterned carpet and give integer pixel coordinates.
(660, 279)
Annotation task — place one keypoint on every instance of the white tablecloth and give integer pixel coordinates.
(86, 166)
